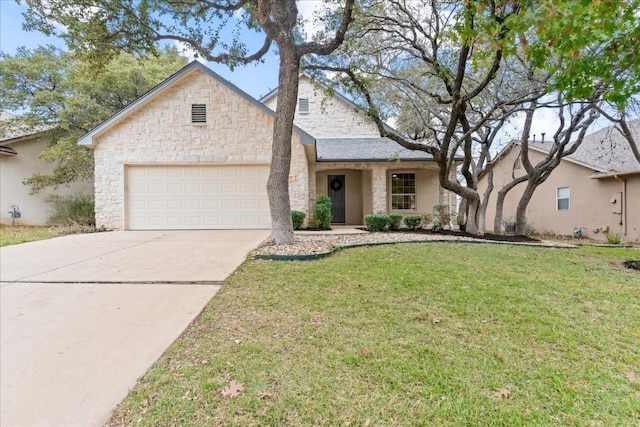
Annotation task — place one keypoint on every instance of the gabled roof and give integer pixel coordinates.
(334, 92)
(365, 150)
(88, 138)
(605, 151)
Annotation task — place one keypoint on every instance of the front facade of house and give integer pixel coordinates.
(194, 153)
(583, 193)
(19, 160)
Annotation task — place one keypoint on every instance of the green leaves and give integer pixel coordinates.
(585, 44)
(64, 97)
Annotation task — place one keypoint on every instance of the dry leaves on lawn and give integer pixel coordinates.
(502, 393)
(233, 390)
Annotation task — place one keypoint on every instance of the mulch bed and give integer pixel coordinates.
(486, 236)
(633, 264)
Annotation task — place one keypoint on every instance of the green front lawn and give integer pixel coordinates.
(406, 335)
(13, 235)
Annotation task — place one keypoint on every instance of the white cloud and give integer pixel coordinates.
(308, 10)
(188, 52)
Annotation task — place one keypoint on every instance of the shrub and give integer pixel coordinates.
(394, 221)
(376, 222)
(413, 222)
(77, 209)
(322, 213)
(441, 213)
(509, 223)
(427, 219)
(298, 219)
(436, 225)
(613, 239)
(461, 220)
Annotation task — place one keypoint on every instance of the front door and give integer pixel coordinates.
(336, 194)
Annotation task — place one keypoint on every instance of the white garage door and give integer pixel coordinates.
(197, 197)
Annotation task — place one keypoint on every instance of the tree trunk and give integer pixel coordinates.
(472, 217)
(521, 211)
(278, 183)
(497, 220)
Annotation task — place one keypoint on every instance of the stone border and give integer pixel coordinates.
(311, 257)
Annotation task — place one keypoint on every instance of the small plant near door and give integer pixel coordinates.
(322, 213)
(298, 219)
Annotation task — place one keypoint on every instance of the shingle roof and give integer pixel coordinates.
(16, 133)
(605, 150)
(364, 149)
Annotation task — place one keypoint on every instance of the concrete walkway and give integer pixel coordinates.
(82, 317)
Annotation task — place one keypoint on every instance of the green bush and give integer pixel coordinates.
(509, 223)
(77, 209)
(322, 213)
(394, 221)
(376, 222)
(441, 214)
(436, 225)
(427, 219)
(298, 219)
(413, 222)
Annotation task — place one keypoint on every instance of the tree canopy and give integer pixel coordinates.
(64, 97)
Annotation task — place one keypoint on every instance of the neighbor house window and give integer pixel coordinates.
(198, 113)
(403, 191)
(303, 105)
(562, 198)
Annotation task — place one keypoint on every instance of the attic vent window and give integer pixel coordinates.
(198, 113)
(303, 105)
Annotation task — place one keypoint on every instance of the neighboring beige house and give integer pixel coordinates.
(596, 190)
(194, 153)
(19, 160)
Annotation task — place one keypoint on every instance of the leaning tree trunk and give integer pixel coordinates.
(278, 183)
(521, 211)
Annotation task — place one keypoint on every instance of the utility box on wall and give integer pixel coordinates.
(616, 203)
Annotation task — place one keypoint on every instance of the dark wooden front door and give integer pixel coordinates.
(336, 193)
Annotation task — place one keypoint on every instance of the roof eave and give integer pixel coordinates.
(614, 174)
(88, 139)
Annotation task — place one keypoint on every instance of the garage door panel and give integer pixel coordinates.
(197, 197)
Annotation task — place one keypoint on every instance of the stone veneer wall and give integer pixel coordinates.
(328, 117)
(161, 132)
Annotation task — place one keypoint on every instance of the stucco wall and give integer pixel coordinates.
(328, 117)
(14, 169)
(161, 132)
(590, 200)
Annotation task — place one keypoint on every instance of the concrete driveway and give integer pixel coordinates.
(82, 317)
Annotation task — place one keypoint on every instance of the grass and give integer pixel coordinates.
(409, 335)
(10, 235)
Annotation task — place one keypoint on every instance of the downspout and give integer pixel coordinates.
(623, 215)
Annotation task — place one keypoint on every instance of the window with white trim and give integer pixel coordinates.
(403, 191)
(303, 105)
(198, 113)
(563, 196)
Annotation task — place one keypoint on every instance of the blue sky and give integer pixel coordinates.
(255, 79)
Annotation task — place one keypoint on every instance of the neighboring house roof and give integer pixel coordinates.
(7, 151)
(605, 151)
(87, 139)
(16, 134)
(364, 150)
